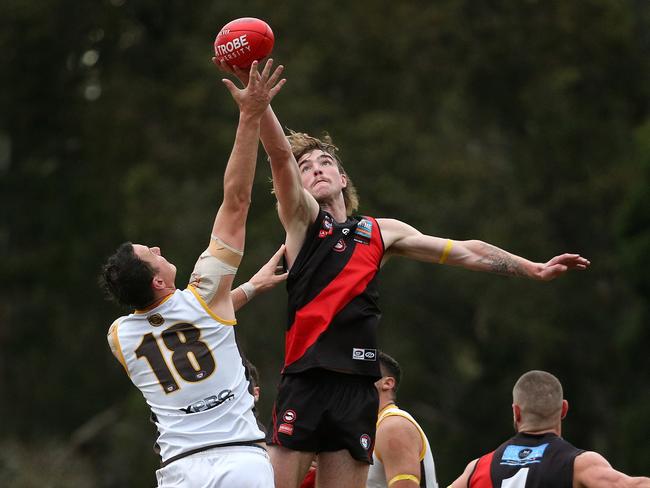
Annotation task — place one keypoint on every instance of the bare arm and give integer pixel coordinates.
(229, 228)
(399, 444)
(252, 100)
(403, 240)
(266, 278)
(463, 479)
(296, 207)
(591, 470)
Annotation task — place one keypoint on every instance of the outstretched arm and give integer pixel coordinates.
(403, 240)
(253, 100)
(268, 276)
(215, 269)
(296, 207)
(591, 470)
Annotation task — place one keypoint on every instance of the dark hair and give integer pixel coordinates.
(390, 367)
(126, 278)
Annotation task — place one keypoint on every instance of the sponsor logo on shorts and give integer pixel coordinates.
(289, 416)
(340, 246)
(364, 354)
(365, 441)
(156, 320)
(210, 402)
(286, 429)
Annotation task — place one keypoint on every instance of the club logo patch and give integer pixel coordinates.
(365, 441)
(364, 354)
(345, 231)
(340, 246)
(289, 416)
(156, 320)
(326, 227)
(286, 429)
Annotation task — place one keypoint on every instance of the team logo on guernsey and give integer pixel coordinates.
(156, 320)
(363, 232)
(326, 228)
(365, 441)
(340, 246)
(523, 455)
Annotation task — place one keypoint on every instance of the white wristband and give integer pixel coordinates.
(249, 289)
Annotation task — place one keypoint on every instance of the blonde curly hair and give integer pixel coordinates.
(302, 143)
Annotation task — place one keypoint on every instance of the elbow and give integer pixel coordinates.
(237, 200)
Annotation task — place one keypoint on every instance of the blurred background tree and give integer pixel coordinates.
(519, 122)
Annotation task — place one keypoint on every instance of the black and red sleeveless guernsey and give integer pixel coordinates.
(333, 293)
(527, 461)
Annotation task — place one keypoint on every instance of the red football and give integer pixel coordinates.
(243, 41)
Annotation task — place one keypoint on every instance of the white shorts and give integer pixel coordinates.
(221, 467)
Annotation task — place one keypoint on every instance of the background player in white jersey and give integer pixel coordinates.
(179, 347)
(402, 457)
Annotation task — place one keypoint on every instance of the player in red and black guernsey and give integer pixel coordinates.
(537, 456)
(326, 402)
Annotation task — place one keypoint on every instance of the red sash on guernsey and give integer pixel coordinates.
(481, 478)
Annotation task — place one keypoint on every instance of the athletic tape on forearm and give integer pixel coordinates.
(249, 289)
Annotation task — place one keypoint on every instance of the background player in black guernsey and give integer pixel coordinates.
(333, 259)
(537, 457)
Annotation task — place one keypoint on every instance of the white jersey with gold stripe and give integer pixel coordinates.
(185, 361)
(427, 475)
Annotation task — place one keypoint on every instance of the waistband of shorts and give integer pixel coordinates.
(255, 443)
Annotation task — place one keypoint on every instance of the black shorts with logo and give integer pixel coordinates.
(323, 411)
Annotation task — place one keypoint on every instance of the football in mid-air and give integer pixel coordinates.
(242, 41)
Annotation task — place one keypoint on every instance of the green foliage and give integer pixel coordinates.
(520, 123)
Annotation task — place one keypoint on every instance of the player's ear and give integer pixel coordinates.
(344, 180)
(516, 412)
(157, 283)
(565, 409)
(389, 382)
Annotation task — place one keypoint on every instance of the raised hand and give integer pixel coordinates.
(236, 71)
(560, 265)
(260, 89)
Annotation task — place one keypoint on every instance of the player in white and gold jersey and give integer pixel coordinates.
(402, 457)
(179, 346)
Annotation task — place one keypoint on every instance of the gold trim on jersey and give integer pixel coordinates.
(114, 342)
(395, 411)
(208, 309)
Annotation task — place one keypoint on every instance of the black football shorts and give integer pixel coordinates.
(325, 411)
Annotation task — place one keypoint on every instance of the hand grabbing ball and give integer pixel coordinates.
(242, 41)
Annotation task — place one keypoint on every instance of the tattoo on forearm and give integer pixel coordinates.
(500, 262)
